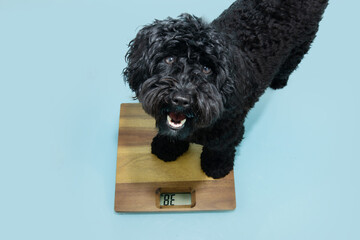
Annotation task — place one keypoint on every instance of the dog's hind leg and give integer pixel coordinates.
(168, 149)
(296, 55)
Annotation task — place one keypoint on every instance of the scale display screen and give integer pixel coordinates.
(175, 199)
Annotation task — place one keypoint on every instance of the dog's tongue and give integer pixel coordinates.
(177, 117)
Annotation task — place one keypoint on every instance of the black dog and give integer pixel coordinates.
(199, 80)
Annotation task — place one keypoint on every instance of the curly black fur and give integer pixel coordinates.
(167, 148)
(210, 75)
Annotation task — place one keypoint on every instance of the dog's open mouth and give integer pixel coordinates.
(176, 120)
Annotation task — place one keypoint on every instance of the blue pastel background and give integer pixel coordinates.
(296, 172)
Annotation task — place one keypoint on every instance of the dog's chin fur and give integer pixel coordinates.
(199, 80)
(182, 133)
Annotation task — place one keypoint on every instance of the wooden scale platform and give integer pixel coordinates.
(145, 183)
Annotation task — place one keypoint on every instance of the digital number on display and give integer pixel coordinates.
(175, 199)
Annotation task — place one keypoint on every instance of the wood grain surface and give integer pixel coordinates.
(140, 174)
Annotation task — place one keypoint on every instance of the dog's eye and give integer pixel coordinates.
(206, 70)
(170, 60)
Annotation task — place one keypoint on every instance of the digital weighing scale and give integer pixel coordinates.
(145, 183)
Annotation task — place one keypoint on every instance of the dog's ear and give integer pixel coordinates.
(138, 59)
(227, 73)
(239, 83)
(234, 77)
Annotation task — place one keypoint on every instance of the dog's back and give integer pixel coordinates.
(273, 35)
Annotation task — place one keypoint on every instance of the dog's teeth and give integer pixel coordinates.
(175, 125)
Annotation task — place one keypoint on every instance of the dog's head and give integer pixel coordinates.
(181, 72)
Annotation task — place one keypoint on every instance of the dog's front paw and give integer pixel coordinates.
(168, 149)
(217, 164)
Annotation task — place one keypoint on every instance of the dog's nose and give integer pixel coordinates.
(181, 100)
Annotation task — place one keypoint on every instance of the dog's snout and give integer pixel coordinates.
(181, 100)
